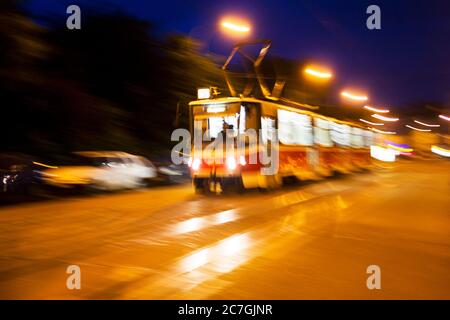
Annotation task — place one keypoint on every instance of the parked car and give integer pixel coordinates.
(101, 170)
(20, 174)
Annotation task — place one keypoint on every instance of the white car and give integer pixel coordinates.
(102, 170)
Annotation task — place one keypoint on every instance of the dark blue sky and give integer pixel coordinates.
(407, 61)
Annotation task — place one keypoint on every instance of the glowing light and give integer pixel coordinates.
(400, 148)
(382, 154)
(235, 27)
(44, 165)
(372, 123)
(203, 93)
(242, 161)
(427, 124)
(383, 132)
(190, 225)
(225, 216)
(383, 118)
(444, 117)
(195, 260)
(215, 108)
(196, 164)
(231, 163)
(376, 110)
(417, 129)
(318, 74)
(353, 96)
(440, 151)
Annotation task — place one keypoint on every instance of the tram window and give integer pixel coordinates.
(268, 129)
(294, 128)
(357, 138)
(215, 125)
(340, 134)
(322, 135)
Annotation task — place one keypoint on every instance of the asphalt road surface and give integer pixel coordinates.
(312, 241)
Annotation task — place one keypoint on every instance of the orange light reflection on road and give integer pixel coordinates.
(223, 257)
(198, 223)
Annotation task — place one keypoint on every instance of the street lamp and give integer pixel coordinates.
(318, 73)
(376, 109)
(355, 97)
(235, 27)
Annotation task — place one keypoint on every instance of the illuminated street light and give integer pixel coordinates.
(376, 110)
(354, 97)
(427, 124)
(444, 117)
(383, 118)
(235, 26)
(372, 123)
(417, 129)
(318, 74)
(383, 132)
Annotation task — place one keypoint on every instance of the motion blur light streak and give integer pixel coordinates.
(440, 151)
(444, 117)
(372, 123)
(382, 154)
(353, 96)
(383, 118)
(383, 132)
(401, 149)
(45, 165)
(427, 125)
(318, 74)
(417, 129)
(376, 110)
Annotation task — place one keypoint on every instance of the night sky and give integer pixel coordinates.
(408, 61)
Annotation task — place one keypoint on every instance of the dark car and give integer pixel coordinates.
(19, 174)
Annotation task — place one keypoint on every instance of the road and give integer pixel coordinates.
(313, 241)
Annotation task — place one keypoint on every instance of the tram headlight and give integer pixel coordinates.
(242, 161)
(231, 163)
(196, 164)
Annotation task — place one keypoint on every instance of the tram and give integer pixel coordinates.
(304, 143)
